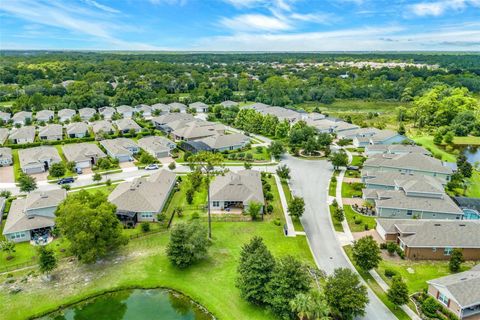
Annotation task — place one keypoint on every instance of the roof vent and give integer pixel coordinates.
(462, 225)
(43, 195)
(437, 224)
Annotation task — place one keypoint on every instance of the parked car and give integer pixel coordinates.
(66, 180)
(78, 170)
(152, 166)
(353, 168)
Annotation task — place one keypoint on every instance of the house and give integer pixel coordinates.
(397, 180)
(470, 207)
(197, 129)
(229, 104)
(257, 106)
(106, 112)
(6, 158)
(145, 110)
(22, 135)
(194, 146)
(459, 293)
(330, 125)
(3, 135)
(86, 113)
(125, 111)
(378, 137)
(33, 217)
(85, 155)
(432, 239)
(44, 115)
(122, 149)
(66, 114)
(38, 159)
(236, 190)
(125, 125)
(199, 107)
(77, 130)
(162, 122)
(143, 198)
(177, 107)
(358, 133)
(51, 132)
(102, 126)
(395, 149)
(4, 117)
(159, 147)
(225, 142)
(22, 118)
(2, 204)
(408, 163)
(160, 108)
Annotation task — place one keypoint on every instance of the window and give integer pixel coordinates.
(434, 249)
(443, 298)
(147, 215)
(447, 251)
(216, 203)
(409, 212)
(18, 235)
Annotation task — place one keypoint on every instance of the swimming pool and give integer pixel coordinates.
(470, 214)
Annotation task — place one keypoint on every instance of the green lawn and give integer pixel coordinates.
(337, 225)
(473, 189)
(351, 189)
(178, 199)
(16, 164)
(263, 156)
(352, 216)
(210, 282)
(332, 187)
(352, 174)
(297, 224)
(466, 140)
(427, 142)
(104, 189)
(357, 161)
(399, 313)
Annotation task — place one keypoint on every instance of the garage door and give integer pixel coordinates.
(83, 164)
(123, 158)
(32, 170)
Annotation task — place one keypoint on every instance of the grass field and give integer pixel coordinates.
(332, 187)
(357, 161)
(466, 140)
(427, 142)
(351, 189)
(359, 106)
(337, 225)
(473, 189)
(297, 224)
(352, 216)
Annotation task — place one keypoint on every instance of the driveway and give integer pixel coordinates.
(7, 175)
(310, 180)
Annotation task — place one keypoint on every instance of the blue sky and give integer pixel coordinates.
(241, 25)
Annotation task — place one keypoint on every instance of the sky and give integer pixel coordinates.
(241, 25)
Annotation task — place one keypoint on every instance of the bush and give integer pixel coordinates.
(269, 196)
(390, 273)
(249, 156)
(161, 217)
(391, 248)
(366, 226)
(358, 220)
(195, 216)
(430, 307)
(172, 165)
(269, 208)
(383, 245)
(277, 222)
(145, 226)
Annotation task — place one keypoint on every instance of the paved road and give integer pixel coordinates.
(310, 180)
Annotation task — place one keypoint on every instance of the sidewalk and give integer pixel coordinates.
(283, 200)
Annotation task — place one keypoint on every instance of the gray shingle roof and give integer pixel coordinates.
(198, 129)
(225, 140)
(5, 153)
(161, 106)
(245, 185)
(66, 113)
(27, 132)
(3, 135)
(82, 151)
(229, 103)
(51, 130)
(5, 116)
(124, 109)
(127, 124)
(119, 146)
(106, 111)
(38, 155)
(86, 112)
(177, 105)
(383, 135)
(102, 126)
(155, 144)
(77, 128)
(44, 115)
(394, 179)
(22, 116)
(397, 148)
(407, 161)
(198, 104)
(170, 117)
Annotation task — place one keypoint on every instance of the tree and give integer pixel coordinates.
(172, 165)
(188, 244)
(189, 195)
(312, 305)
(346, 295)
(448, 137)
(89, 222)
(254, 209)
(57, 169)
(283, 171)
(8, 247)
(97, 177)
(27, 183)
(398, 292)
(366, 253)
(276, 149)
(289, 278)
(456, 260)
(247, 165)
(254, 271)
(401, 129)
(339, 159)
(339, 214)
(296, 207)
(46, 260)
(206, 162)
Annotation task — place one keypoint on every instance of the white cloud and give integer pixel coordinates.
(250, 22)
(320, 18)
(101, 6)
(169, 2)
(438, 8)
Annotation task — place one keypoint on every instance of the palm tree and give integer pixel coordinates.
(312, 306)
(301, 306)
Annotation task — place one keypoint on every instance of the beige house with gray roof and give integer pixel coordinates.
(234, 191)
(125, 125)
(44, 115)
(51, 132)
(177, 107)
(33, 217)
(107, 112)
(197, 129)
(22, 135)
(159, 147)
(199, 107)
(4, 116)
(3, 135)
(125, 111)
(122, 149)
(228, 104)
(86, 113)
(6, 158)
(66, 114)
(395, 149)
(102, 126)
(143, 198)
(21, 117)
(459, 293)
(77, 130)
(38, 159)
(225, 142)
(85, 155)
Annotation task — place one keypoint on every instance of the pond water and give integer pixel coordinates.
(134, 305)
(472, 153)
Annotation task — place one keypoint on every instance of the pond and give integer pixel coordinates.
(472, 153)
(134, 305)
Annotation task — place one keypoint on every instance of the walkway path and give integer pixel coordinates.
(283, 200)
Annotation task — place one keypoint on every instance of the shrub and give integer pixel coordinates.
(195, 216)
(161, 217)
(249, 156)
(390, 273)
(277, 222)
(366, 226)
(269, 196)
(269, 208)
(145, 226)
(430, 307)
(172, 165)
(383, 245)
(259, 149)
(391, 248)
(358, 220)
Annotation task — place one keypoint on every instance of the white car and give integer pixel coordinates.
(152, 166)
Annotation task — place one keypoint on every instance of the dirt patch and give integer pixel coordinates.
(373, 233)
(352, 201)
(7, 175)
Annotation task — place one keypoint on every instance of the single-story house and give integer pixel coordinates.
(331, 125)
(159, 147)
(160, 108)
(358, 133)
(6, 158)
(107, 112)
(33, 217)
(408, 163)
(122, 149)
(3, 135)
(236, 190)
(85, 155)
(228, 104)
(66, 114)
(432, 239)
(125, 111)
(398, 180)
(22, 117)
(5, 116)
(395, 149)
(459, 293)
(86, 113)
(177, 107)
(51, 132)
(143, 198)
(258, 106)
(102, 126)
(22, 135)
(145, 110)
(77, 130)
(225, 142)
(126, 124)
(162, 122)
(381, 137)
(199, 107)
(194, 146)
(44, 115)
(38, 159)
(197, 129)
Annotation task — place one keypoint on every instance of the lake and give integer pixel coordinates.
(134, 305)
(472, 153)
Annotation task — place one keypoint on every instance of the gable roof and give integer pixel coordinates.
(161, 106)
(408, 161)
(397, 148)
(245, 185)
(229, 103)
(66, 113)
(170, 117)
(86, 112)
(177, 105)
(38, 155)
(51, 130)
(119, 146)
(22, 115)
(102, 125)
(27, 132)
(399, 179)
(5, 115)
(198, 104)
(155, 143)
(225, 140)
(82, 151)
(198, 129)
(44, 114)
(77, 127)
(127, 124)
(5, 153)
(106, 111)
(3, 135)
(124, 108)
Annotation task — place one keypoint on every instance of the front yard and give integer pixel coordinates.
(358, 222)
(352, 189)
